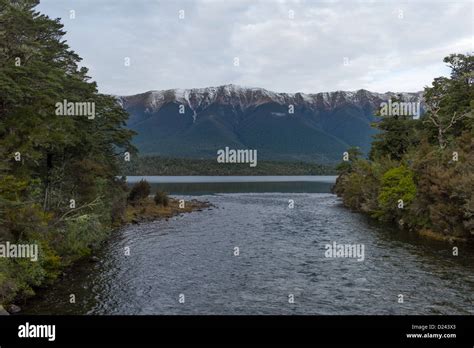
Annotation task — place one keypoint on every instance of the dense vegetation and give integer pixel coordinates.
(161, 198)
(58, 185)
(139, 192)
(155, 165)
(420, 173)
(142, 190)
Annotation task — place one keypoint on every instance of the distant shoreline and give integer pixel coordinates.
(164, 166)
(230, 178)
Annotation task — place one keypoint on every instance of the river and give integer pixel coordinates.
(253, 254)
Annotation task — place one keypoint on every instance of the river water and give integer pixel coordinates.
(253, 254)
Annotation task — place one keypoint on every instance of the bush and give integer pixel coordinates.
(445, 197)
(359, 186)
(397, 184)
(139, 191)
(161, 198)
(79, 236)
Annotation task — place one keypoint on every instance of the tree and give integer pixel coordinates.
(352, 155)
(450, 101)
(38, 70)
(139, 192)
(50, 162)
(398, 133)
(397, 191)
(421, 174)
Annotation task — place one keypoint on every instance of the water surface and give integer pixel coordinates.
(281, 253)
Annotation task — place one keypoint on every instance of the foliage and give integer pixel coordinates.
(155, 165)
(139, 192)
(161, 198)
(398, 133)
(444, 202)
(450, 101)
(427, 163)
(396, 192)
(78, 236)
(353, 156)
(62, 193)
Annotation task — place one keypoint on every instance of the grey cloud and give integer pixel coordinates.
(278, 53)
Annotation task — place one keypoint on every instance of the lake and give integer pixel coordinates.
(254, 254)
(201, 185)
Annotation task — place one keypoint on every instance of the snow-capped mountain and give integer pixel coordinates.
(196, 122)
(246, 97)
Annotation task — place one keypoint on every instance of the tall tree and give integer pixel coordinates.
(398, 133)
(450, 101)
(67, 153)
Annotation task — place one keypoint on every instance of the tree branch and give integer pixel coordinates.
(87, 205)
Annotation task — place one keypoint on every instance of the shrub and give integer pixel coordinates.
(359, 186)
(79, 236)
(139, 191)
(161, 198)
(397, 183)
(445, 197)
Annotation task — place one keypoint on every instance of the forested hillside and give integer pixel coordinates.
(195, 123)
(156, 165)
(420, 173)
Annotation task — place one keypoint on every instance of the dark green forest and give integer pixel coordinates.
(156, 165)
(58, 186)
(420, 173)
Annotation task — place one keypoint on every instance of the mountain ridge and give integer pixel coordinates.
(218, 94)
(202, 120)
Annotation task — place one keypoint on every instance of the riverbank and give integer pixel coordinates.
(392, 196)
(146, 211)
(149, 211)
(281, 251)
(430, 234)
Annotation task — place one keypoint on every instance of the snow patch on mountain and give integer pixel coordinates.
(198, 99)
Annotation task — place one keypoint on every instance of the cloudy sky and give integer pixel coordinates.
(284, 46)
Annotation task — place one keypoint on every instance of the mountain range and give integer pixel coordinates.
(196, 123)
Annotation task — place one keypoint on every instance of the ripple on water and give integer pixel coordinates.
(281, 253)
